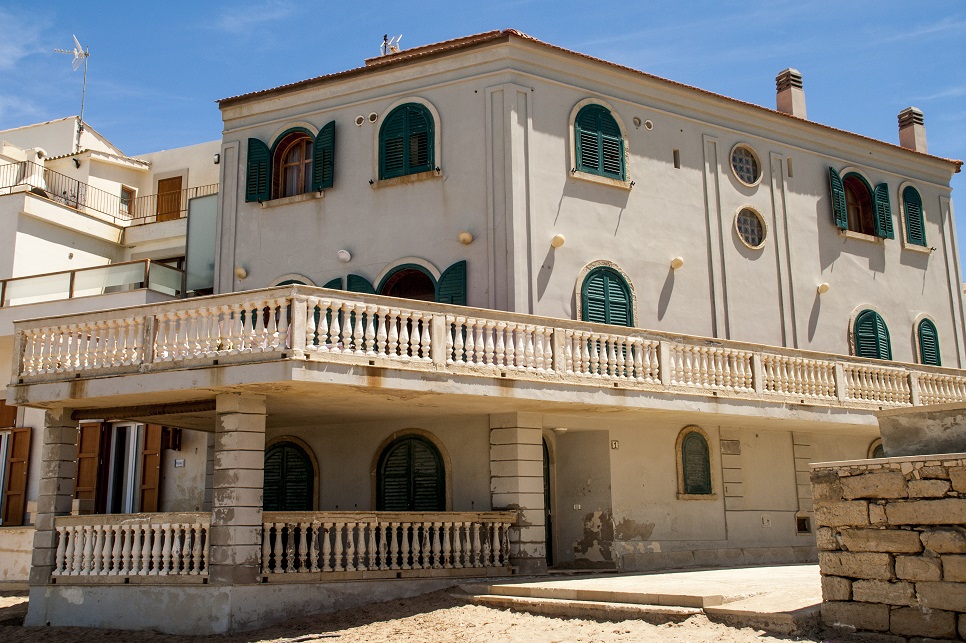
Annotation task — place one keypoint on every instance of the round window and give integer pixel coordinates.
(750, 228)
(745, 164)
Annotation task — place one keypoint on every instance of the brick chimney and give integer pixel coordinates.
(791, 96)
(912, 129)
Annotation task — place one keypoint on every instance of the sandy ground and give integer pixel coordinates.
(441, 616)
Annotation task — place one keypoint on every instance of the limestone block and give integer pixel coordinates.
(861, 616)
(856, 565)
(508, 468)
(237, 516)
(957, 476)
(531, 518)
(896, 541)
(731, 461)
(825, 538)
(503, 501)
(241, 441)
(954, 570)
(228, 537)
(942, 596)
(911, 621)
(945, 540)
(948, 511)
(887, 484)
(877, 514)
(880, 591)
(236, 403)
(917, 568)
(515, 420)
(933, 472)
(520, 485)
(962, 626)
(732, 475)
(928, 488)
(528, 534)
(842, 514)
(836, 589)
(516, 436)
(58, 453)
(60, 434)
(826, 487)
(239, 460)
(533, 452)
(238, 479)
(240, 422)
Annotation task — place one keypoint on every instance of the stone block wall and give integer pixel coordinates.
(892, 545)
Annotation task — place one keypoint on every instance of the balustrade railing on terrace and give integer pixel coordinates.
(301, 322)
(131, 545)
(385, 544)
(68, 191)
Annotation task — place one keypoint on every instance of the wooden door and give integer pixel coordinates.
(90, 460)
(15, 493)
(149, 487)
(169, 199)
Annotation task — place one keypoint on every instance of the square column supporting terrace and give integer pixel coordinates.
(236, 515)
(58, 464)
(516, 482)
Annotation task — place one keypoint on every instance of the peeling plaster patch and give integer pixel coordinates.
(628, 529)
(598, 539)
(73, 595)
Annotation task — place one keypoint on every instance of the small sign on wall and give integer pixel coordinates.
(179, 463)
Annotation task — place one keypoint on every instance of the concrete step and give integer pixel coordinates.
(596, 610)
(586, 593)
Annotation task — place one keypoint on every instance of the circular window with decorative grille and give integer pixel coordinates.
(750, 227)
(745, 164)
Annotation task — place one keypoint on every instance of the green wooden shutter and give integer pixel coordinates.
(451, 287)
(335, 284)
(606, 298)
(915, 225)
(406, 142)
(419, 141)
(872, 336)
(356, 283)
(323, 161)
(259, 185)
(411, 477)
(696, 464)
(599, 143)
(883, 212)
(929, 343)
(392, 145)
(289, 478)
(840, 213)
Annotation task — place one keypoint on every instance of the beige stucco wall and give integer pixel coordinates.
(15, 546)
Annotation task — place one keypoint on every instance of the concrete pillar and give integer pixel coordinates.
(236, 515)
(58, 464)
(516, 482)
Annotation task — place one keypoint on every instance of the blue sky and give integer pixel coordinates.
(157, 68)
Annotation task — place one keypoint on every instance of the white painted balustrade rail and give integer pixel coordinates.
(173, 544)
(315, 324)
(410, 543)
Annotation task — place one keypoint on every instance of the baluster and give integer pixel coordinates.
(145, 554)
(88, 551)
(497, 542)
(447, 528)
(193, 547)
(316, 328)
(358, 333)
(404, 324)
(450, 344)
(163, 535)
(77, 551)
(372, 553)
(594, 356)
(426, 338)
(132, 551)
(266, 547)
(370, 330)
(477, 548)
(487, 546)
(392, 338)
(539, 350)
(362, 549)
(291, 555)
(436, 547)
(60, 562)
(330, 311)
(457, 549)
(459, 324)
(96, 563)
(178, 554)
(489, 343)
(470, 341)
(500, 354)
(338, 534)
(414, 336)
(382, 337)
(185, 562)
(425, 551)
(322, 533)
(382, 529)
(394, 562)
(304, 549)
(350, 547)
(611, 348)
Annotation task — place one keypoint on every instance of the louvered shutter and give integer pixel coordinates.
(451, 287)
(392, 145)
(8, 415)
(915, 225)
(15, 489)
(411, 477)
(427, 485)
(606, 298)
(599, 143)
(420, 130)
(323, 161)
(594, 294)
(259, 185)
(872, 336)
(929, 343)
(837, 193)
(394, 479)
(696, 464)
(882, 335)
(272, 492)
(150, 483)
(883, 212)
(355, 283)
(335, 284)
(289, 479)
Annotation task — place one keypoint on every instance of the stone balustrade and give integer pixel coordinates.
(131, 545)
(341, 545)
(307, 323)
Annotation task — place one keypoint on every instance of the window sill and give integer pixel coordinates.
(288, 200)
(851, 234)
(697, 496)
(418, 177)
(602, 180)
(926, 250)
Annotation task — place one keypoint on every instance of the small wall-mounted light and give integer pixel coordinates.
(216, 158)
(240, 272)
(76, 162)
(822, 288)
(465, 238)
(558, 240)
(677, 262)
(344, 256)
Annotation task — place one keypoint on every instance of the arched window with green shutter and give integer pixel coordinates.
(411, 476)
(289, 478)
(915, 223)
(928, 343)
(406, 141)
(606, 298)
(872, 336)
(599, 143)
(695, 465)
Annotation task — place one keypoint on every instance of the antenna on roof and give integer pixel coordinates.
(389, 45)
(80, 56)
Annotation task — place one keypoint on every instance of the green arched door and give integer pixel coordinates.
(411, 477)
(289, 478)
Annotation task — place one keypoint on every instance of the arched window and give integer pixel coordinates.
(858, 204)
(411, 476)
(872, 336)
(297, 163)
(409, 282)
(289, 478)
(859, 208)
(928, 343)
(599, 143)
(606, 298)
(915, 225)
(406, 141)
(694, 463)
(292, 165)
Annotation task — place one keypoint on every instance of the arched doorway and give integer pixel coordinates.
(411, 476)
(289, 478)
(409, 282)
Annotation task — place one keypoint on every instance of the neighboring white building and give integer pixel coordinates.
(620, 313)
(88, 228)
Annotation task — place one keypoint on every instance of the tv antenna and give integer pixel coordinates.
(390, 45)
(80, 56)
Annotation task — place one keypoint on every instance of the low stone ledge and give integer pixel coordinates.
(942, 595)
(860, 616)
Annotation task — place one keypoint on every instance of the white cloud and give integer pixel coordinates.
(242, 19)
(21, 38)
